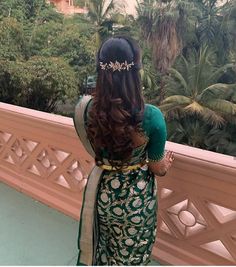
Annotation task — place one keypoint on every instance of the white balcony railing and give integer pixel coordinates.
(41, 155)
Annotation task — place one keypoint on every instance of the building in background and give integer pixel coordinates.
(68, 7)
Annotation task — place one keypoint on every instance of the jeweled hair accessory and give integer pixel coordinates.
(116, 66)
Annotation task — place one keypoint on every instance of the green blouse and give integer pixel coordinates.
(154, 128)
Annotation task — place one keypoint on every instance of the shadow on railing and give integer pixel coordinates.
(41, 155)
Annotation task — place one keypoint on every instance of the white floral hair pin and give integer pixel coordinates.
(116, 66)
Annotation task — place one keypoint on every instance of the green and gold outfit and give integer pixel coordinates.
(119, 214)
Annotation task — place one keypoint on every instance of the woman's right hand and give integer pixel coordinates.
(169, 158)
(160, 168)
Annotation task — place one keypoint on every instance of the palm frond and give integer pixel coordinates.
(219, 72)
(211, 117)
(178, 76)
(194, 108)
(201, 69)
(176, 132)
(168, 107)
(218, 90)
(222, 106)
(177, 100)
(93, 10)
(108, 9)
(185, 67)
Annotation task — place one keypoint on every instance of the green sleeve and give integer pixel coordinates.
(156, 131)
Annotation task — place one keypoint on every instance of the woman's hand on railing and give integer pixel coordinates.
(160, 168)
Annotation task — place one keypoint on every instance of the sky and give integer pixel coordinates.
(130, 6)
(132, 3)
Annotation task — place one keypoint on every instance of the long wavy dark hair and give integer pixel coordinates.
(117, 109)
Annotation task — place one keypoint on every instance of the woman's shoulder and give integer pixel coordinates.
(153, 119)
(152, 111)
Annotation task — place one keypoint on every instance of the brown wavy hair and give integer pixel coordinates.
(117, 109)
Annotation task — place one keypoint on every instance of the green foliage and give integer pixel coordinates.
(162, 24)
(12, 41)
(43, 35)
(38, 83)
(28, 16)
(150, 79)
(27, 10)
(31, 33)
(194, 132)
(12, 8)
(80, 3)
(76, 48)
(198, 108)
(99, 15)
(194, 90)
(14, 78)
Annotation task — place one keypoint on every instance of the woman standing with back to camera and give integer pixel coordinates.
(127, 139)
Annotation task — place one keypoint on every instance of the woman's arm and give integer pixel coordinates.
(159, 161)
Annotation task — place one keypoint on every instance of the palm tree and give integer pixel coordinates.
(213, 27)
(189, 131)
(230, 11)
(162, 24)
(193, 89)
(194, 132)
(100, 15)
(158, 21)
(222, 140)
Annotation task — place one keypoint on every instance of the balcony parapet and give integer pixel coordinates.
(41, 156)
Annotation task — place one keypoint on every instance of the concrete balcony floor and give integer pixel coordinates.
(35, 234)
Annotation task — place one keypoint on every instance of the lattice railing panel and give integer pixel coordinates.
(197, 212)
(47, 163)
(52, 164)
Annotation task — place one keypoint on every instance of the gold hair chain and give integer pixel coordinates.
(116, 66)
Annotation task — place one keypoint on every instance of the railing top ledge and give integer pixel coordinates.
(202, 155)
(35, 114)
